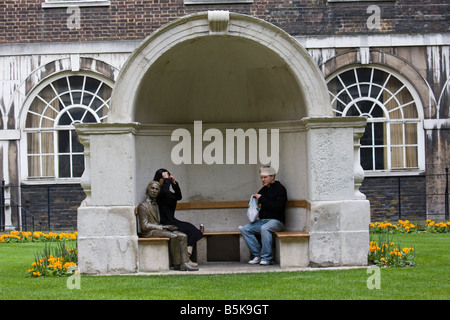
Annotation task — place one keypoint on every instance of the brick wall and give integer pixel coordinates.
(389, 202)
(64, 202)
(27, 21)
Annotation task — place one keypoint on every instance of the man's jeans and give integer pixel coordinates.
(266, 227)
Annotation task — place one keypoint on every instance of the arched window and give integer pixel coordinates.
(53, 149)
(391, 140)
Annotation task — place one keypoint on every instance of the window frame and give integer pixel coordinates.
(56, 128)
(389, 171)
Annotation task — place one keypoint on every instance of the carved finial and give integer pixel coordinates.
(218, 22)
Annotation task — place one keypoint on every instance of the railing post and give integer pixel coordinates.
(48, 207)
(399, 200)
(2, 209)
(446, 192)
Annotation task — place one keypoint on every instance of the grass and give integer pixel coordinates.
(429, 279)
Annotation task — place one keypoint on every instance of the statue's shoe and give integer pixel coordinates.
(187, 267)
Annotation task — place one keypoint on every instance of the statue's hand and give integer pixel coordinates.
(169, 227)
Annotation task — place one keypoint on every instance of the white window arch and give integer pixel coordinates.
(52, 146)
(393, 139)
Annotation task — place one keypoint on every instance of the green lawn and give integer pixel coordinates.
(429, 279)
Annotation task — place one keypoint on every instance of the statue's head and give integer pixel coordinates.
(153, 189)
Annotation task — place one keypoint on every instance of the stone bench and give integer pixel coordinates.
(292, 247)
(153, 254)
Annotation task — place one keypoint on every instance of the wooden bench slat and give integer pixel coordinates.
(153, 239)
(234, 204)
(286, 234)
(280, 234)
(221, 233)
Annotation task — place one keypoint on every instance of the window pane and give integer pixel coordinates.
(379, 133)
(65, 120)
(411, 157)
(61, 85)
(48, 166)
(353, 111)
(78, 165)
(76, 145)
(410, 111)
(411, 133)
(366, 139)
(63, 141)
(76, 82)
(33, 146)
(364, 74)
(34, 166)
(366, 158)
(380, 156)
(32, 121)
(47, 142)
(397, 157)
(77, 113)
(89, 118)
(76, 97)
(66, 99)
(396, 133)
(64, 166)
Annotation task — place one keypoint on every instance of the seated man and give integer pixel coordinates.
(149, 220)
(273, 198)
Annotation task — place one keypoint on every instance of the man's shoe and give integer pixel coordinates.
(266, 262)
(187, 267)
(255, 260)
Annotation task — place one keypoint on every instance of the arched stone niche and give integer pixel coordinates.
(225, 72)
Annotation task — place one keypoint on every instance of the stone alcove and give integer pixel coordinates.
(232, 72)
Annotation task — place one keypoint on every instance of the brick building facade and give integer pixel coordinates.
(385, 60)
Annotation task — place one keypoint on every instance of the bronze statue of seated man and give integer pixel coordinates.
(149, 220)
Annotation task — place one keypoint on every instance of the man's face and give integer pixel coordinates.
(267, 180)
(153, 190)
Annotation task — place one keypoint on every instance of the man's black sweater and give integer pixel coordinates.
(273, 201)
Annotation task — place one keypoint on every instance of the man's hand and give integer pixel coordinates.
(257, 195)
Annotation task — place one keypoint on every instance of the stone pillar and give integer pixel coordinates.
(340, 214)
(107, 238)
(437, 157)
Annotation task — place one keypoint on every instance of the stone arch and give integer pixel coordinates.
(213, 36)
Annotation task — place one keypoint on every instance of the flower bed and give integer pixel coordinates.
(385, 253)
(441, 227)
(22, 236)
(53, 261)
(405, 226)
(59, 261)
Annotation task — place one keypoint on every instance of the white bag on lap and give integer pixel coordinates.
(253, 210)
